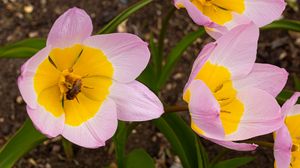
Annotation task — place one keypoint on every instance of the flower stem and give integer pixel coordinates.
(177, 108)
(68, 148)
(262, 143)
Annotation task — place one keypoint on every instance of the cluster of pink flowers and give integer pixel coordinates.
(232, 98)
(80, 85)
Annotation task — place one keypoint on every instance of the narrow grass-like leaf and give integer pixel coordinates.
(139, 158)
(68, 148)
(175, 54)
(182, 139)
(292, 25)
(284, 95)
(22, 49)
(23, 141)
(120, 140)
(234, 163)
(202, 155)
(112, 25)
(161, 39)
(296, 82)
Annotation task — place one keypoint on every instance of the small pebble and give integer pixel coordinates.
(48, 165)
(28, 9)
(178, 76)
(33, 34)
(154, 139)
(43, 2)
(19, 100)
(32, 161)
(133, 131)
(19, 15)
(56, 148)
(282, 55)
(297, 42)
(122, 27)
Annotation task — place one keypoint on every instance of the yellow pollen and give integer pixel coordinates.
(70, 84)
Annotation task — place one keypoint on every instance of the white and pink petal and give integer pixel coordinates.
(96, 131)
(199, 62)
(235, 145)
(204, 111)
(257, 105)
(269, 78)
(135, 102)
(128, 54)
(288, 107)
(283, 148)
(72, 27)
(197, 16)
(264, 12)
(236, 50)
(25, 80)
(45, 121)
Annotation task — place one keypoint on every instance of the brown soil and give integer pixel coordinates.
(28, 18)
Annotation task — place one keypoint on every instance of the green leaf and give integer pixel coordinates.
(292, 25)
(23, 141)
(161, 39)
(112, 25)
(148, 77)
(68, 148)
(234, 163)
(120, 140)
(139, 158)
(175, 54)
(182, 139)
(22, 49)
(202, 155)
(284, 95)
(296, 82)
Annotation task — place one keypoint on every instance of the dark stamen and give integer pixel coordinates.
(78, 57)
(218, 88)
(224, 111)
(63, 102)
(51, 61)
(88, 87)
(223, 99)
(77, 99)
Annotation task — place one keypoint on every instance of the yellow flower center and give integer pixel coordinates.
(218, 80)
(70, 84)
(73, 81)
(219, 11)
(292, 123)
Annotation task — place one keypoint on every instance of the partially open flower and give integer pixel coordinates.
(79, 85)
(287, 138)
(219, 16)
(230, 97)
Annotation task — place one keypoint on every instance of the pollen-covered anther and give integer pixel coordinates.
(295, 148)
(70, 84)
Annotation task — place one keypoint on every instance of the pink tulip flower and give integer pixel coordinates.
(220, 16)
(79, 85)
(230, 97)
(287, 138)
